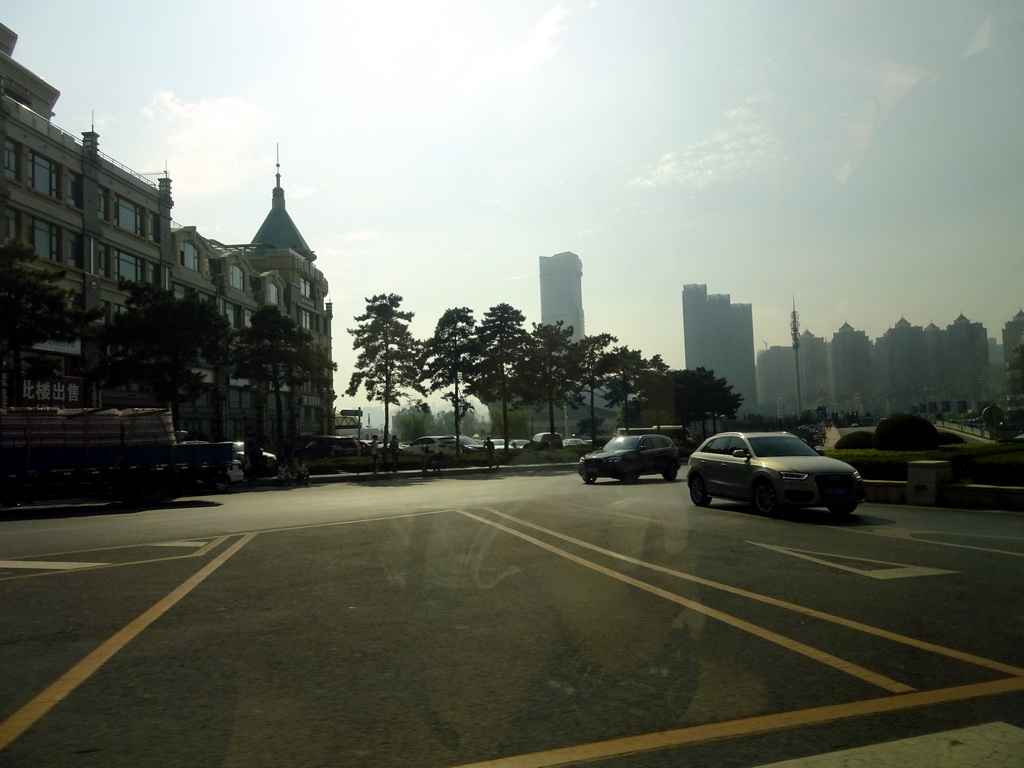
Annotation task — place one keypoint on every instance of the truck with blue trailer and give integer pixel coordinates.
(127, 454)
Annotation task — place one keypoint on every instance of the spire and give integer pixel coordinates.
(278, 229)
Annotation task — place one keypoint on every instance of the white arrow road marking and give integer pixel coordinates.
(46, 565)
(898, 571)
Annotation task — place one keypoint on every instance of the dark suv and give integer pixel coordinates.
(328, 446)
(626, 457)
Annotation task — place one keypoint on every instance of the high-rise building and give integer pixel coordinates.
(561, 292)
(850, 370)
(719, 335)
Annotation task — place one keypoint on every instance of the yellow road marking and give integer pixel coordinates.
(28, 715)
(822, 657)
(865, 628)
(748, 726)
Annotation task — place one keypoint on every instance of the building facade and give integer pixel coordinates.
(101, 223)
(719, 335)
(561, 292)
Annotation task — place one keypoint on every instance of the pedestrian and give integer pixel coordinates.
(395, 451)
(375, 454)
(489, 448)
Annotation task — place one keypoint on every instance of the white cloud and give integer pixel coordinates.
(211, 144)
(740, 143)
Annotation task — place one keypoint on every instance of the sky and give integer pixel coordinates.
(861, 160)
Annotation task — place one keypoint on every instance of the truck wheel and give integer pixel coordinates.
(221, 483)
(151, 490)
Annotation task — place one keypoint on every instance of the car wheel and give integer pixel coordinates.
(671, 472)
(699, 491)
(221, 483)
(765, 499)
(841, 509)
(589, 479)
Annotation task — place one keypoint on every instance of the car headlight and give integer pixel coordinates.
(856, 475)
(785, 475)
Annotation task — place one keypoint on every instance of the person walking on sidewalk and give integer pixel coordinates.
(395, 451)
(375, 454)
(489, 448)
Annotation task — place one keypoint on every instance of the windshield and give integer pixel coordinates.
(623, 443)
(780, 445)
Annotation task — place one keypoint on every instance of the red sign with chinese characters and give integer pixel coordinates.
(66, 391)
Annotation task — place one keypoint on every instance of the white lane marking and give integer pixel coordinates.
(992, 744)
(897, 571)
(195, 544)
(46, 565)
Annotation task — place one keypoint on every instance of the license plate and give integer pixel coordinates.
(834, 492)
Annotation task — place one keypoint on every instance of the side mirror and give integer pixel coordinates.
(740, 453)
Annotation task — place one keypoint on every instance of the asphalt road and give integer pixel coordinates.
(507, 620)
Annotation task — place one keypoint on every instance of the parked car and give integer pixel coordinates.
(546, 440)
(443, 443)
(771, 470)
(328, 446)
(627, 457)
(571, 441)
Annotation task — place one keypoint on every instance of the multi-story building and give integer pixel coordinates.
(719, 335)
(850, 371)
(101, 223)
(561, 292)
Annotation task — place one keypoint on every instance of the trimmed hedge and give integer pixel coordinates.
(982, 463)
(906, 432)
(856, 440)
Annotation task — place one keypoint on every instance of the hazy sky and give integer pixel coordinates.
(864, 158)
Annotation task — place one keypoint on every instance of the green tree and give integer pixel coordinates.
(625, 366)
(161, 342)
(551, 371)
(449, 357)
(655, 391)
(596, 365)
(273, 353)
(699, 394)
(388, 362)
(503, 340)
(33, 309)
(413, 421)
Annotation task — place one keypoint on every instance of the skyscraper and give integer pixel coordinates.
(719, 335)
(561, 291)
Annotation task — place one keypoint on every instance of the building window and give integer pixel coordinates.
(44, 175)
(154, 227)
(305, 287)
(236, 277)
(305, 318)
(73, 188)
(76, 249)
(129, 267)
(232, 313)
(12, 160)
(273, 294)
(10, 225)
(103, 204)
(247, 318)
(101, 260)
(129, 216)
(189, 256)
(45, 239)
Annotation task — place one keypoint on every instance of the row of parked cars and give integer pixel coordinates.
(769, 470)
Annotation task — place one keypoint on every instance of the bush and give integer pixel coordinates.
(906, 432)
(856, 440)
